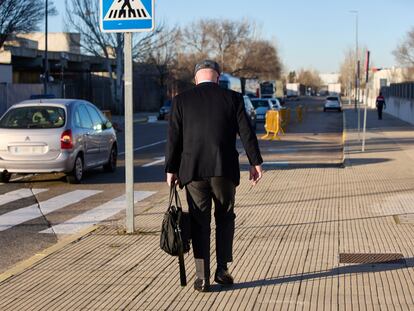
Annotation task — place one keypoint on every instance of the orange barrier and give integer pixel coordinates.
(284, 119)
(299, 113)
(272, 125)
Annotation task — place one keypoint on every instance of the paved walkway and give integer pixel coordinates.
(290, 232)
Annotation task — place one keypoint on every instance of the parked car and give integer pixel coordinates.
(262, 105)
(165, 110)
(281, 100)
(251, 112)
(56, 135)
(333, 103)
(276, 104)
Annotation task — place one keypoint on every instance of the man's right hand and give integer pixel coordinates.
(256, 174)
(172, 179)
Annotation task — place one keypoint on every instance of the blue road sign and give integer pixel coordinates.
(127, 15)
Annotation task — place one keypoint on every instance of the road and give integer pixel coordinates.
(37, 211)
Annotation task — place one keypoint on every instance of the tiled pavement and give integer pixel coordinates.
(290, 232)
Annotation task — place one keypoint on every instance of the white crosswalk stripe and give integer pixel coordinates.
(34, 211)
(96, 215)
(19, 194)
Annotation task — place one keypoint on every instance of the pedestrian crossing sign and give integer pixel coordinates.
(127, 15)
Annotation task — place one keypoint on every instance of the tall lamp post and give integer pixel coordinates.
(46, 60)
(357, 69)
(356, 13)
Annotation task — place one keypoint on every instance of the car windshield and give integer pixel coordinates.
(333, 98)
(37, 117)
(260, 103)
(167, 103)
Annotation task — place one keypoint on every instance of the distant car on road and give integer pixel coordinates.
(262, 105)
(251, 112)
(333, 103)
(276, 104)
(56, 135)
(165, 110)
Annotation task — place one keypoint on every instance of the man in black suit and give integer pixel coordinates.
(202, 156)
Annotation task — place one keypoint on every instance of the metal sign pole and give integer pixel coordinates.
(367, 61)
(365, 120)
(129, 134)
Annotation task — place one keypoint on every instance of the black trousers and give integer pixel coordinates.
(200, 195)
(379, 109)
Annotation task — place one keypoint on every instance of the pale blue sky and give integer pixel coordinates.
(308, 33)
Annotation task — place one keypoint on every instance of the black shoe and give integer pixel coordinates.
(202, 285)
(223, 277)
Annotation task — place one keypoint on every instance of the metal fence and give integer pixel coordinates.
(401, 90)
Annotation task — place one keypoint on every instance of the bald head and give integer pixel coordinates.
(206, 74)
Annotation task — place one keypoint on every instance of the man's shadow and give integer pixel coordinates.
(359, 268)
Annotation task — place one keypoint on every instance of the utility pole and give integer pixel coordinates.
(46, 59)
(356, 56)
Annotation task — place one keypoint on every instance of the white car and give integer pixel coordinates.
(262, 105)
(333, 103)
(56, 135)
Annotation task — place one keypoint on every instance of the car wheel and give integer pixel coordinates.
(111, 165)
(339, 110)
(324, 109)
(75, 177)
(5, 177)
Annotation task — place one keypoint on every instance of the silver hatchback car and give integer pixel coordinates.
(56, 135)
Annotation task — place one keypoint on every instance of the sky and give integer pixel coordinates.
(312, 34)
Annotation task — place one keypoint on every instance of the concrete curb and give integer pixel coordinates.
(28, 263)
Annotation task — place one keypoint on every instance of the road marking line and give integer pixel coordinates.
(152, 119)
(19, 194)
(96, 215)
(31, 212)
(146, 146)
(279, 163)
(158, 161)
(287, 150)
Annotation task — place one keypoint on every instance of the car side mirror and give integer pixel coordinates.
(107, 125)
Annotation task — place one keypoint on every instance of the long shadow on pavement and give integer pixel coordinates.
(359, 268)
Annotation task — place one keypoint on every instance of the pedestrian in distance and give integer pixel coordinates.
(380, 103)
(202, 157)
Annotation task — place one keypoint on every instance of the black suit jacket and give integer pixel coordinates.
(203, 128)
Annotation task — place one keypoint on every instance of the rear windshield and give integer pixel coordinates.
(260, 103)
(41, 117)
(333, 98)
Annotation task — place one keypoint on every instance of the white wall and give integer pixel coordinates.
(400, 108)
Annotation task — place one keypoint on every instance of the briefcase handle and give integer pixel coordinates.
(174, 195)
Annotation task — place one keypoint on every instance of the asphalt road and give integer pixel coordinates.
(37, 211)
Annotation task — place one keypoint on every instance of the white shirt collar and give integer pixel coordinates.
(206, 81)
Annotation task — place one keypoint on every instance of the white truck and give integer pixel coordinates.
(334, 89)
(294, 90)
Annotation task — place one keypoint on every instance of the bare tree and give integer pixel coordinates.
(404, 53)
(234, 45)
(82, 16)
(309, 78)
(21, 16)
(163, 53)
(348, 69)
(258, 59)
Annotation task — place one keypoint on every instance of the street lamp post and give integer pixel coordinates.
(46, 60)
(357, 64)
(356, 54)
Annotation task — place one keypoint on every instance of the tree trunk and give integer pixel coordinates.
(119, 72)
(112, 84)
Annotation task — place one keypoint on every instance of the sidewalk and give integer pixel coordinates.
(291, 230)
